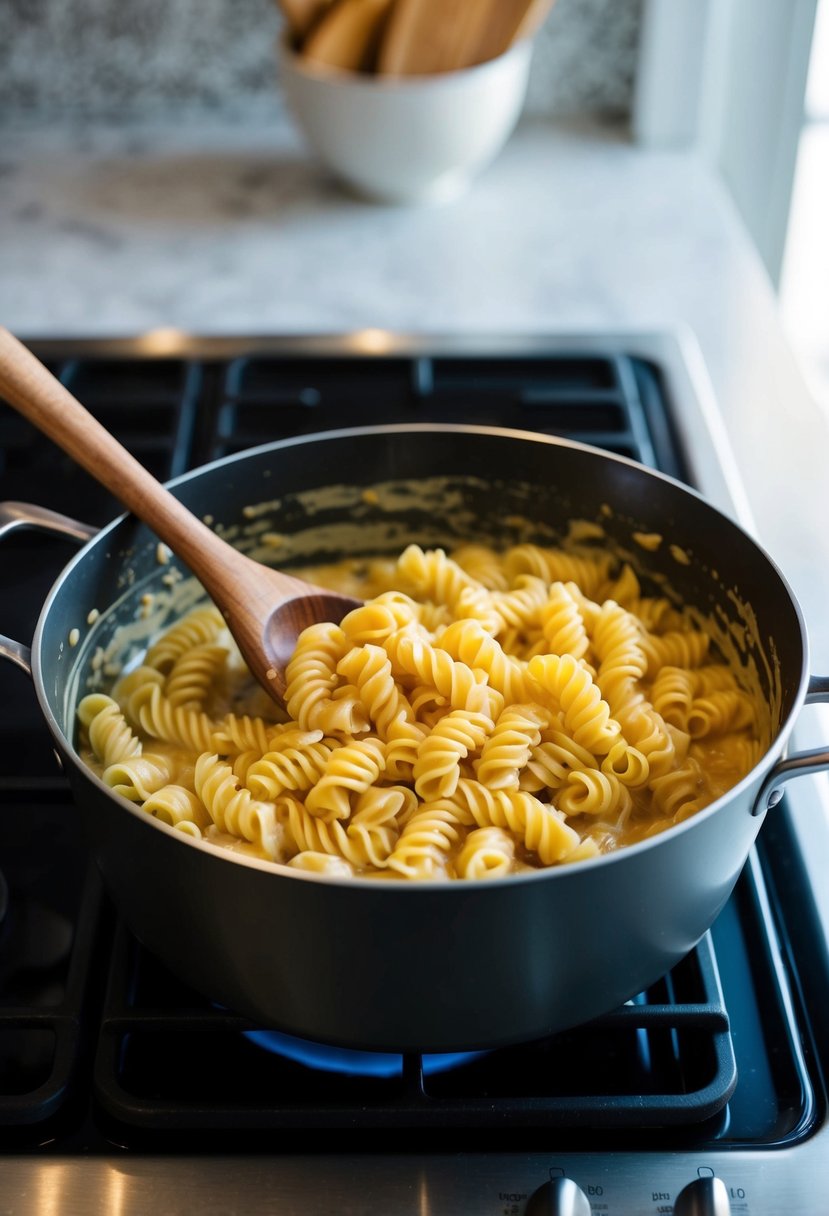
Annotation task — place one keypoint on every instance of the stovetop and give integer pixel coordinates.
(120, 1087)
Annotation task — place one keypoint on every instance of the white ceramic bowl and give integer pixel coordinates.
(407, 139)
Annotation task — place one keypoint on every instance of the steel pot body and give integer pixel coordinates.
(431, 966)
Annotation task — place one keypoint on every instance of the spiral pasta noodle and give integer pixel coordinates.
(312, 679)
(350, 769)
(294, 763)
(428, 838)
(455, 682)
(193, 674)
(110, 737)
(486, 853)
(586, 715)
(233, 808)
(481, 714)
(562, 628)
(507, 750)
(201, 626)
(538, 825)
(437, 769)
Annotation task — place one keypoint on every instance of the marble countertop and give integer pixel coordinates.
(217, 228)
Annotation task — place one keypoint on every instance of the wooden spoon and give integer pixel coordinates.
(265, 609)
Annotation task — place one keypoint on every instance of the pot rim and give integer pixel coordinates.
(380, 883)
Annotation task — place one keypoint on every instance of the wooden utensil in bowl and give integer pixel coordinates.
(301, 15)
(426, 36)
(348, 34)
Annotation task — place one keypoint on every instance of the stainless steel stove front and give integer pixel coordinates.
(323, 1184)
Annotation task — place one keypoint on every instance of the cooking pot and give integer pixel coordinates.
(432, 966)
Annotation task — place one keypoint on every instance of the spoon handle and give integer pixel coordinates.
(32, 390)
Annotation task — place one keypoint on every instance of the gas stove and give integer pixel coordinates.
(123, 1091)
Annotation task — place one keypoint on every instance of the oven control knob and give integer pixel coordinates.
(703, 1197)
(559, 1197)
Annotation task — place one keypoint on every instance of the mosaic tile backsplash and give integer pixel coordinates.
(123, 60)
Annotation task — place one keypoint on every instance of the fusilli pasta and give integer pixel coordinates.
(480, 714)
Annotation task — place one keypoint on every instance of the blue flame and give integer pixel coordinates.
(349, 1062)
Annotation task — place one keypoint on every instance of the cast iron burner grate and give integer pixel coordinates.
(664, 1059)
(49, 949)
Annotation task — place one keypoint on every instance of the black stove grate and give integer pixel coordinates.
(84, 1062)
(612, 402)
(661, 1060)
(49, 944)
(174, 414)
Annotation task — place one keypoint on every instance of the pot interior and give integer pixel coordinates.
(374, 491)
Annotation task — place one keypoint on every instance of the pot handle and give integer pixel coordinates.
(16, 515)
(801, 764)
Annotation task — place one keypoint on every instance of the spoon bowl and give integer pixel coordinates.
(265, 609)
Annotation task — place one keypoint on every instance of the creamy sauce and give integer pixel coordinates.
(558, 797)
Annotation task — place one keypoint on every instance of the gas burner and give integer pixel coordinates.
(349, 1062)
